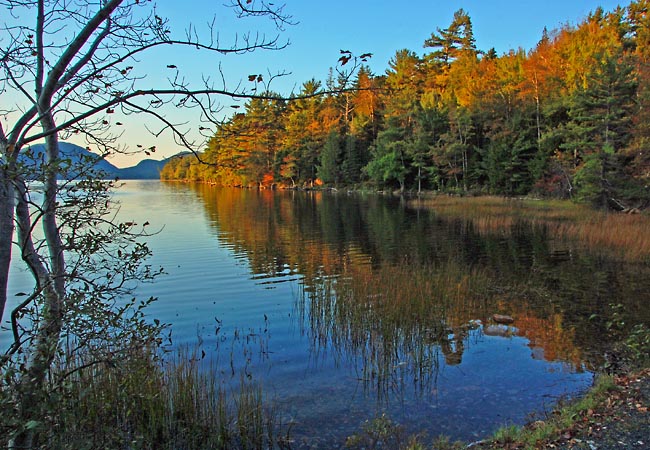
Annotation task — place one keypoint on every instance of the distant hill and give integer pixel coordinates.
(148, 169)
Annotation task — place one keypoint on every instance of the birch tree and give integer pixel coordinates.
(68, 68)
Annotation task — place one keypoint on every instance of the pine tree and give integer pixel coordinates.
(330, 159)
(599, 127)
(450, 42)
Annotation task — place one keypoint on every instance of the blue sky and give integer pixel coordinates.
(324, 27)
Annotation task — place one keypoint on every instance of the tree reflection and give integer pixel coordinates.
(401, 292)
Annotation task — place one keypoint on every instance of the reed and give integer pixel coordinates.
(625, 236)
(146, 402)
(396, 321)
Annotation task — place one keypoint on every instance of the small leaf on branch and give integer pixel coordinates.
(252, 77)
(171, 66)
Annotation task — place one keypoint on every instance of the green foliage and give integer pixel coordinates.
(388, 164)
(557, 121)
(329, 169)
(634, 342)
(638, 344)
(353, 161)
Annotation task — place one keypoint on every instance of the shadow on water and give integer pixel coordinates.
(398, 303)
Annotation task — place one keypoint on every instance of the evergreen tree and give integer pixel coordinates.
(353, 161)
(450, 42)
(330, 159)
(388, 161)
(599, 127)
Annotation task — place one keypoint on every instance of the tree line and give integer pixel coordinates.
(569, 119)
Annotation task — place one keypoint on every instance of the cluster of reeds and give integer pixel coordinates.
(396, 321)
(146, 402)
(622, 235)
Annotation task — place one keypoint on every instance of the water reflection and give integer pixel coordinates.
(396, 306)
(552, 287)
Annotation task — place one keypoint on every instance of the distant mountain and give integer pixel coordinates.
(147, 169)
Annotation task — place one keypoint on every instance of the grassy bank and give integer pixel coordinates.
(145, 402)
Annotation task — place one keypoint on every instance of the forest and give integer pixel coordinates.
(569, 118)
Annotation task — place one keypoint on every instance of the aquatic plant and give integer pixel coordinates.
(147, 402)
(626, 236)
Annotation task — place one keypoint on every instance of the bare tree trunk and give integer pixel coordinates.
(7, 202)
(51, 282)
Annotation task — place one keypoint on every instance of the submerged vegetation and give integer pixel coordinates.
(566, 119)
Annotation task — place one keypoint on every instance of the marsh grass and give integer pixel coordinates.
(625, 236)
(145, 402)
(395, 321)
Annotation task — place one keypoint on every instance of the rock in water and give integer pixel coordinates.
(501, 318)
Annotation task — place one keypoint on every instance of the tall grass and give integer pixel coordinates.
(396, 321)
(626, 236)
(145, 402)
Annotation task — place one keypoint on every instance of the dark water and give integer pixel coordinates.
(266, 283)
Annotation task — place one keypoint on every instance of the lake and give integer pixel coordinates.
(346, 307)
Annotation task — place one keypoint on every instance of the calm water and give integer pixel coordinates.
(253, 278)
